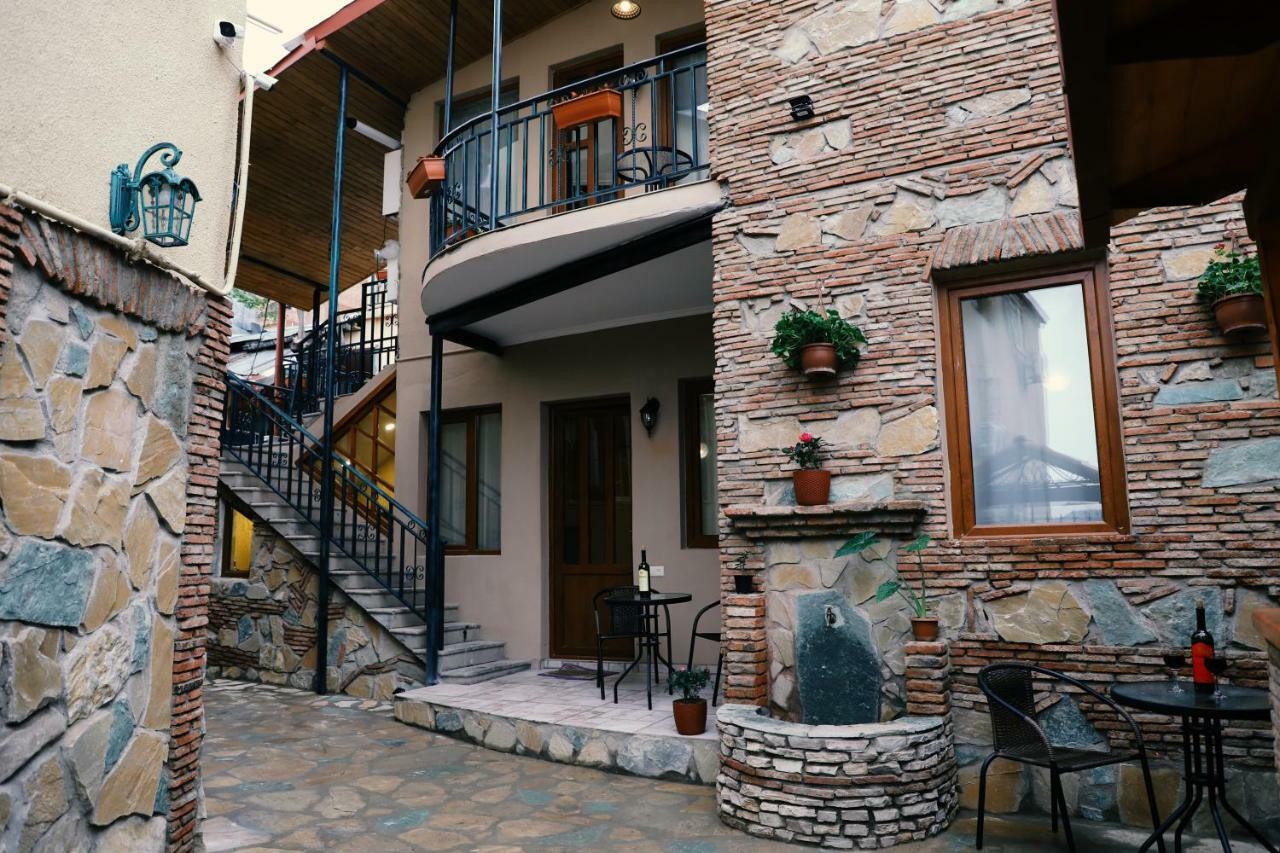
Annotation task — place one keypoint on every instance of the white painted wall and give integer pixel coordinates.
(91, 84)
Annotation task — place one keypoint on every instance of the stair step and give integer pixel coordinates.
(483, 671)
(459, 655)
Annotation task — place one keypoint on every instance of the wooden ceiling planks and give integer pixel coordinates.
(400, 44)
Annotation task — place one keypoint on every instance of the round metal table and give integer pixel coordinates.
(1202, 756)
(650, 641)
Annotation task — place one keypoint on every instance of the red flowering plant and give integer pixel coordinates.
(805, 453)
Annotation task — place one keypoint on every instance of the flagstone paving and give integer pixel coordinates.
(287, 770)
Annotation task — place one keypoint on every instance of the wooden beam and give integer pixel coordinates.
(567, 276)
(472, 340)
(1087, 91)
(278, 270)
(1221, 168)
(1195, 29)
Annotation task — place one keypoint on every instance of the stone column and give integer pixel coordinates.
(928, 679)
(746, 658)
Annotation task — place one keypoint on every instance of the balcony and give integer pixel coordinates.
(527, 166)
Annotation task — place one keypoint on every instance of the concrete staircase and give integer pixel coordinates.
(465, 659)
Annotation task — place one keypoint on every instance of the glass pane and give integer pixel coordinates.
(1031, 415)
(569, 462)
(453, 483)
(489, 482)
(709, 508)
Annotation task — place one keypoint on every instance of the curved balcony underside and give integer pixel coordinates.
(516, 269)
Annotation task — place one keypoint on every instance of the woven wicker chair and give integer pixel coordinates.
(1019, 737)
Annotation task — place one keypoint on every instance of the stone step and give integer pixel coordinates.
(414, 636)
(470, 653)
(483, 672)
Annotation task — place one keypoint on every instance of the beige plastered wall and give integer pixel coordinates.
(508, 593)
(92, 84)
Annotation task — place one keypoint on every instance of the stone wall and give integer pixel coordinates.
(939, 148)
(263, 628)
(107, 388)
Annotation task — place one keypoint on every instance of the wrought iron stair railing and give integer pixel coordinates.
(368, 526)
(658, 139)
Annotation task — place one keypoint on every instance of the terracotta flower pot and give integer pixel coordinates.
(818, 360)
(924, 628)
(426, 176)
(1240, 312)
(593, 106)
(812, 486)
(691, 715)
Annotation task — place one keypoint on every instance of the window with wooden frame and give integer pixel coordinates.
(237, 542)
(366, 438)
(1033, 424)
(476, 103)
(681, 122)
(586, 154)
(698, 452)
(471, 480)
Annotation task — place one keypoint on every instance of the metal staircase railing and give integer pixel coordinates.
(368, 526)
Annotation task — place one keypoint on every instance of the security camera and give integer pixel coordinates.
(225, 33)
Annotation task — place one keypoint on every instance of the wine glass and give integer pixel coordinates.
(1217, 666)
(1175, 661)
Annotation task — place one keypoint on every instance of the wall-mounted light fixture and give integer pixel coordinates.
(625, 9)
(649, 414)
(801, 107)
(163, 202)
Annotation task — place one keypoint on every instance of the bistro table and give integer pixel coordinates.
(649, 642)
(1202, 758)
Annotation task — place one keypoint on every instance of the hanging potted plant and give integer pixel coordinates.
(924, 625)
(426, 176)
(1232, 284)
(690, 710)
(587, 108)
(812, 485)
(817, 344)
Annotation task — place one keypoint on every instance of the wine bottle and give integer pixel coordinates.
(642, 574)
(1201, 651)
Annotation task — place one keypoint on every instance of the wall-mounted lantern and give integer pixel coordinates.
(649, 414)
(162, 202)
(801, 107)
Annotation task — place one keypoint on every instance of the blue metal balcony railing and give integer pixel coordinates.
(659, 140)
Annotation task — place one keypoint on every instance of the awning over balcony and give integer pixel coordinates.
(630, 261)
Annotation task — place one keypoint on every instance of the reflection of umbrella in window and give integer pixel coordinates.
(1026, 472)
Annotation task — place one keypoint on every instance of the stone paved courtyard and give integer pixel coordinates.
(286, 770)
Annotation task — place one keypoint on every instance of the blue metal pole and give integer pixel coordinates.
(435, 579)
(495, 99)
(330, 345)
(448, 68)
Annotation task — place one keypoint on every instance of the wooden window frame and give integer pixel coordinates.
(665, 43)
(346, 431)
(471, 417)
(1106, 407)
(510, 87)
(690, 392)
(229, 511)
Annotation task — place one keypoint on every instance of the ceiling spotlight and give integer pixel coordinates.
(625, 9)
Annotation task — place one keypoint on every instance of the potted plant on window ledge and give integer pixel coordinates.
(817, 344)
(924, 625)
(1232, 284)
(811, 484)
(690, 710)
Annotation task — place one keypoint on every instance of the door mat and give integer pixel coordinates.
(570, 672)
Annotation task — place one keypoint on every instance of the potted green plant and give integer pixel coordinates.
(924, 625)
(812, 485)
(817, 344)
(1232, 284)
(426, 176)
(690, 710)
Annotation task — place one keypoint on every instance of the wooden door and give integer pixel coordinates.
(590, 518)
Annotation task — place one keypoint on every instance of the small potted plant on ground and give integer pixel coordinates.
(1232, 284)
(426, 176)
(690, 710)
(817, 344)
(924, 625)
(812, 485)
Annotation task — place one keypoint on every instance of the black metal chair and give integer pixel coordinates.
(626, 622)
(1018, 736)
(713, 636)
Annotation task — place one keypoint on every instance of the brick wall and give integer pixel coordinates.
(940, 143)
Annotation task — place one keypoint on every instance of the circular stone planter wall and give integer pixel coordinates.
(866, 786)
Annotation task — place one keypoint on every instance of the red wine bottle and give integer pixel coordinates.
(1201, 650)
